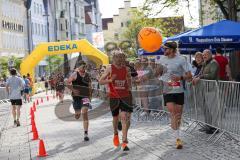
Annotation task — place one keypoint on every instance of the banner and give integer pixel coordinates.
(97, 39)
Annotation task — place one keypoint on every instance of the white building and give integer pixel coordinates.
(93, 20)
(13, 28)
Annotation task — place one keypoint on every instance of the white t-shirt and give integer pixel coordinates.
(15, 84)
(173, 66)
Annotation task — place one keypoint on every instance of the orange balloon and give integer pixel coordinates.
(150, 39)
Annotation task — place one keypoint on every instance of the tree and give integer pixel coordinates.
(54, 63)
(229, 8)
(167, 26)
(4, 64)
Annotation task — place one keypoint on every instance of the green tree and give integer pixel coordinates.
(55, 63)
(167, 27)
(4, 64)
(229, 8)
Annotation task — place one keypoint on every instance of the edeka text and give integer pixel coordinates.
(62, 47)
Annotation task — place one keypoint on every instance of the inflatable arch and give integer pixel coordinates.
(63, 47)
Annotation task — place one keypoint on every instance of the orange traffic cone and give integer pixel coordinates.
(34, 129)
(32, 121)
(31, 111)
(34, 108)
(47, 98)
(35, 135)
(42, 152)
(37, 102)
(41, 100)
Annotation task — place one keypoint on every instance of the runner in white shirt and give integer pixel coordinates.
(176, 70)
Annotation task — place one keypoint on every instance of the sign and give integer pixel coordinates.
(98, 40)
(219, 39)
(62, 47)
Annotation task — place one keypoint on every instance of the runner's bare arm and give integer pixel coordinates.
(70, 79)
(103, 79)
(129, 79)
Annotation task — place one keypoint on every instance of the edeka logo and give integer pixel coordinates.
(62, 47)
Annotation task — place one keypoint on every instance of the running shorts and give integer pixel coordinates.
(123, 104)
(177, 98)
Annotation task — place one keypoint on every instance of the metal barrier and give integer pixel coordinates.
(212, 103)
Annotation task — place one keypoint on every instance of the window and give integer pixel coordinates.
(66, 23)
(121, 24)
(116, 36)
(39, 29)
(35, 10)
(61, 27)
(41, 12)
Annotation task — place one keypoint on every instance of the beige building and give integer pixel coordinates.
(13, 28)
(113, 27)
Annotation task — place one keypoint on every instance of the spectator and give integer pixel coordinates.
(197, 63)
(2, 83)
(46, 86)
(224, 69)
(210, 70)
(26, 89)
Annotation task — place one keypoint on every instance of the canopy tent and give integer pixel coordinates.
(225, 34)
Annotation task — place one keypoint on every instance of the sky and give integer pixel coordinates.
(110, 7)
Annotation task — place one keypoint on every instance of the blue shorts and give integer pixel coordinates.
(26, 90)
(78, 103)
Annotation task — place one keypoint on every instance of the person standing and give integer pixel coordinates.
(176, 70)
(80, 85)
(14, 86)
(224, 69)
(118, 77)
(30, 86)
(46, 86)
(210, 71)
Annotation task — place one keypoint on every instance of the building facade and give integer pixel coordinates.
(93, 21)
(13, 28)
(114, 27)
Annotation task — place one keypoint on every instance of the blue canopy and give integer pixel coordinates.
(225, 34)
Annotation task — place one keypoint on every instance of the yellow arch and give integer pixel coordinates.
(63, 47)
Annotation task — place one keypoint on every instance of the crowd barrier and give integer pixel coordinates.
(209, 102)
(39, 87)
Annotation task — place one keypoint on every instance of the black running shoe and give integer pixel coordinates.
(125, 147)
(14, 122)
(86, 138)
(18, 123)
(119, 126)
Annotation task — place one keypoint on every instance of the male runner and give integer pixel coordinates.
(14, 86)
(81, 93)
(118, 77)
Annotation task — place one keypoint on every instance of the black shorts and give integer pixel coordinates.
(26, 90)
(78, 103)
(16, 102)
(123, 104)
(177, 98)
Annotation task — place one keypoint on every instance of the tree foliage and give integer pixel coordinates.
(229, 8)
(55, 63)
(4, 64)
(167, 27)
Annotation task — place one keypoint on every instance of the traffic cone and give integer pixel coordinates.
(37, 102)
(47, 98)
(41, 100)
(32, 121)
(34, 129)
(31, 111)
(32, 116)
(34, 108)
(42, 152)
(35, 135)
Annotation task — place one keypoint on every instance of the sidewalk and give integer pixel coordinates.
(63, 137)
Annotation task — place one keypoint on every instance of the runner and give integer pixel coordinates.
(46, 86)
(118, 77)
(80, 84)
(30, 86)
(60, 87)
(26, 89)
(14, 86)
(176, 70)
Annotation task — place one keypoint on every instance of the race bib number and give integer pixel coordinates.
(174, 84)
(85, 100)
